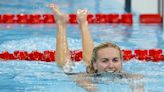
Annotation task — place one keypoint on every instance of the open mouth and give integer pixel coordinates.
(110, 71)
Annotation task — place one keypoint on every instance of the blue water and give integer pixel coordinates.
(25, 76)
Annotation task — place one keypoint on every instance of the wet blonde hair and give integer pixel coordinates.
(90, 68)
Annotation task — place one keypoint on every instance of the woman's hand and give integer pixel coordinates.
(59, 16)
(82, 15)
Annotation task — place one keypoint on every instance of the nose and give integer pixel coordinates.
(110, 66)
(110, 63)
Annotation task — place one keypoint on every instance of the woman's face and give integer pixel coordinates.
(108, 59)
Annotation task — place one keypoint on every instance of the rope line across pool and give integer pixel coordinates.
(154, 55)
(126, 18)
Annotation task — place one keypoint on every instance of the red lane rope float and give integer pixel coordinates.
(92, 18)
(154, 55)
(150, 19)
(49, 18)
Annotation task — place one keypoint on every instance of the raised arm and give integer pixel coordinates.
(87, 42)
(62, 54)
(62, 51)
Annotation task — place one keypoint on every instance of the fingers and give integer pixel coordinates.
(82, 11)
(53, 6)
(82, 15)
(55, 9)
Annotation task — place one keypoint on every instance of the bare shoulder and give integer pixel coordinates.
(83, 80)
(134, 76)
(78, 75)
(81, 75)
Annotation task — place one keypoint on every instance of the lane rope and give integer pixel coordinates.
(126, 18)
(154, 55)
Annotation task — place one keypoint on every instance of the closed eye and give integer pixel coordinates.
(115, 60)
(105, 60)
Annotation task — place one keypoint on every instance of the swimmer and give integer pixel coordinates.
(104, 58)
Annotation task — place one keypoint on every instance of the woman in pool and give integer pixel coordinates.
(106, 57)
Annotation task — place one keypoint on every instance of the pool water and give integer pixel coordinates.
(37, 76)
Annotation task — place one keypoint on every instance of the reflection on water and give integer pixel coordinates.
(31, 76)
